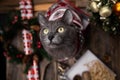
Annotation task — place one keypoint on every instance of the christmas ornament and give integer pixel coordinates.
(94, 7)
(26, 9)
(15, 19)
(23, 14)
(105, 11)
(33, 73)
(114, 1)
(22, 4)
(28, 4)
(29, 9)
(22, 8)
(116, 8)
(29, 14)
(27, 39)
(108, 15)
(99, 4)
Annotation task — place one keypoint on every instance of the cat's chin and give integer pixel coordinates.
(53, 46)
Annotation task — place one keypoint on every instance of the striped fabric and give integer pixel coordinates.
(57, 10)
(33, 73)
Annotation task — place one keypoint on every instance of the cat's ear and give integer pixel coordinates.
(67, 17)
(42, 20)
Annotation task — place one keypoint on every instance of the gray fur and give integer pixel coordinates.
(63, 45)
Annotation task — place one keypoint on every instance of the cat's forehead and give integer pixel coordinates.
(55, 24)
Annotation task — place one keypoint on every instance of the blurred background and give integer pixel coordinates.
(9, 6)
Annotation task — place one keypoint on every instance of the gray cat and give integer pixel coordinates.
(62, 41)
(60, 38)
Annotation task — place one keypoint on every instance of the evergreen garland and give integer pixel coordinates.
(109, 17)
(12, 53)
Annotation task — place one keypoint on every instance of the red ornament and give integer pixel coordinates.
(5, 54)
(38, 44)
(116, 8)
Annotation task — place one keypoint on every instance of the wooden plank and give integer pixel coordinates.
(106, 47)
(15, 72)
(82, 3)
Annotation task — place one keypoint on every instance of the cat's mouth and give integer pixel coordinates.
(53, 45)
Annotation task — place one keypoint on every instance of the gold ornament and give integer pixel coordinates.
(99, 4)
(116, 8)
(114, 1)
(94, 7)
(105, 11)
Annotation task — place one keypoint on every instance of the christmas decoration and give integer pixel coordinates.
(13, 55)
(94, 7)
(106, 13)
(26, 9)
(27, 40)
(33, 72)
(13, 17)
(32, 45)
(22, 7)
(29, 9)
(30, 38)
(116, 8)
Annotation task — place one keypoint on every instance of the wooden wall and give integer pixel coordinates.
(106, 47)
(15, 71)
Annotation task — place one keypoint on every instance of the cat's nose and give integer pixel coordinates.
(50, 37)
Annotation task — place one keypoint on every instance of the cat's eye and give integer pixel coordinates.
(61, 30)
(45, 31)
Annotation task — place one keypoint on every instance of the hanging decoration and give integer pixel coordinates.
(26, 9)
(32, 44)
(13, 55)
(33, 72)
(15, 19)
(27, 40)
(116, 8)
(22, 8)
(106, 13)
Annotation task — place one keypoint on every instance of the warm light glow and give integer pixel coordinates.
(42, 7)
(118, 6)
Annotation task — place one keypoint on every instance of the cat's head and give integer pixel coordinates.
(59, 38)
